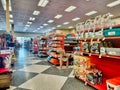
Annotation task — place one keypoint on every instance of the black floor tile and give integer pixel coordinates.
(75, 84)
(55, 71)
(44, 63)
(20, 77)
(21, 89)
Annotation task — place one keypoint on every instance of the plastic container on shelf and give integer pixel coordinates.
(112, 32)
(113, 84)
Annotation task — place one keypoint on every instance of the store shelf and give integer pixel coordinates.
(96, 86)
(69, 45)
(98, 29)
(108, 56)
(4, 55)
(4, 70)
(111, 38)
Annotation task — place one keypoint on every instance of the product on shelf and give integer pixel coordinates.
(113, 83)
(85, 46)
(112, 32)
(95, 47)
(87, 71)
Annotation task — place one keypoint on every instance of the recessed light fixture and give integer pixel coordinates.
(4, 4)
(36, 12)
(58, 25)
(32, 19)
(70, 27)
(11, 21)
(58, 16)
(11, 16)
(70, 8)
(50, 21)
(45, 24)
(75, 19)
(112, 4)
(91, 13)
(43, 3)
(29, 22)
(65, 23)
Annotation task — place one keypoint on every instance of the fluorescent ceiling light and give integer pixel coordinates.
(50, 21)
(43, 3)
(11, 16)
(70, 9)
(27, 25)
(111, 15)
(75, 19)
(58, 16)
(45, 24)
(53, 28)
(4, 4)
(41, 26)
(112, 4)
(11, 21)
(32, 19)
(70, 27)
(91, 13)
(36, 12)
(65, 23)
(29, 22)
(58, 25)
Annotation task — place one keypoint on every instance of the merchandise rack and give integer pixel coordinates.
(108, 64)
(57, 41)
(42, 47)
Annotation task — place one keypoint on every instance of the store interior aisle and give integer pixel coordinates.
(33, 73)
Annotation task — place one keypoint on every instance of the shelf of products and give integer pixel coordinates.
(100, 42)
(6, 54)
(55, 42)
(43, 47)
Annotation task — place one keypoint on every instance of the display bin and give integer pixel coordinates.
(113, 84)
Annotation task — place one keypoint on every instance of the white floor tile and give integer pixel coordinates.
(35, 68)
(72, 74)
(11, 88)
(45, 82)
(32, 61)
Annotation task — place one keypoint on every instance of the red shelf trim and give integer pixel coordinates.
(97, 86)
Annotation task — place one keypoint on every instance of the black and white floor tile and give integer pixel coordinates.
(33, 73)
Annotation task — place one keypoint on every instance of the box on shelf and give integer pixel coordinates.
(113, 84)
(113, 51)
(5, 51)
(112, 32)
(95, 47)
(86, 47)
(98, 34)
(89, 34)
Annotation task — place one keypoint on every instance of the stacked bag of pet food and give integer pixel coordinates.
(85, 70)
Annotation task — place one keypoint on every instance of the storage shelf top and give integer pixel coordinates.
(98, 29)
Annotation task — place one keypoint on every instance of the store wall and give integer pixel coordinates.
(117, 20)
(18, 34)
(66, 31)
(26, 35)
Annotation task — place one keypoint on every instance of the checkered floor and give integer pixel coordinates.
(34, 73)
